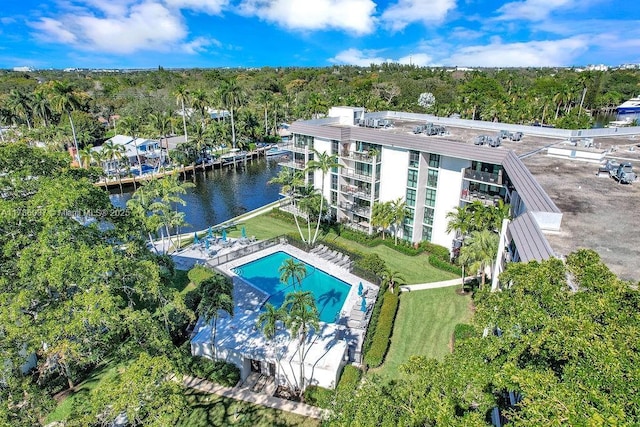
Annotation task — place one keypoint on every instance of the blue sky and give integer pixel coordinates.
(255, 33)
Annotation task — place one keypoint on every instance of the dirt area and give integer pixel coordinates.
(598, 212)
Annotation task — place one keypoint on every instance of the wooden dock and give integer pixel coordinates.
(181, 170)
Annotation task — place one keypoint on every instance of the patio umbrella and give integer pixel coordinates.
(224, 235)
(195, 238)
(210, 233)
(363, 305)
(206, 244)
(244, 233)
(360, 288)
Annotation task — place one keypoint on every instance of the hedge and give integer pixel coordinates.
(373, 323)
(349, 379)
(444, 265)
(318, 396)
(218, 371)
(462, 332)
(380, 343)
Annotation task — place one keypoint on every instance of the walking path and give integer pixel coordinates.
(435, 285)
(245, 394)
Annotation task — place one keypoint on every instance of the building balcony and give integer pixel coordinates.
(355, 191)
(359, 156)
(295, 148)
(293, 165)
(363, 211)
(486, 177)
(354, 174)
(477, 196)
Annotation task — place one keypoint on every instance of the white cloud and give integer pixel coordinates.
(54, 30)
(533, 10)
(364, 58)
(529, 54)
(212, 7)
(348, 15)
(125, 27)
(405, 12)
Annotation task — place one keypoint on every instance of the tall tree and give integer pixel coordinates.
(217, 296)
(301, 316)
(64, 99)
(322, 162)
(479, 252)
(291, 269)
(182, 95)
(265, 98)
(232, 96)
(289, 180)
(399, 212)
(381, 215)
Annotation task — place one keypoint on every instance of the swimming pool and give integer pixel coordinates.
(329, 292)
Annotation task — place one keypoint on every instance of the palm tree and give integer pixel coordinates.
(114, 153)
(290, 180)
(267, 322)
(301, 315)
(132, 126)
(322, 162)
(217, 295)
(265, 98)
(160, 125)
(381, 215)
(399, 212)
(20, 104)
(40, 106)
(459, 221)
(182, 94)
(391, 277)
(232, 97)
(86, 156)
(290, 269)
(64, 100)
(199, 102)
(480, 251)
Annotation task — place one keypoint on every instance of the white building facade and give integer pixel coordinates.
(381, 162)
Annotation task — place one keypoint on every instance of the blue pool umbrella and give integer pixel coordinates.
(363, 305)
(244, 233)
(360, 288)
(195, 238)
(224, 235)
(206, 244)
(210, 233)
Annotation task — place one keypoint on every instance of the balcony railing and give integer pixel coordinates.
(352, 173)
(488, 177)
(292, 164)
(363, 211)
(355, 191)
(358, 156)
(484, 198)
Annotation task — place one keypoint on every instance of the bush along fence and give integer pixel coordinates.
(439, 256)
(381, 333)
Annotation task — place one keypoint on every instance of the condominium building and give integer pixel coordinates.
(383, 158)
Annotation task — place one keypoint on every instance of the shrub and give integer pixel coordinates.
(372, 262)
(444, 265)
(373, 323)
(380, 343)
(462, 332)
(199, 273)
(218, 371)
(349, 379)
(318, 396)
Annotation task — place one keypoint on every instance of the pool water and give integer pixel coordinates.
(329, 292)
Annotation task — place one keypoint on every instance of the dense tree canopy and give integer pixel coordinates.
(562, 339)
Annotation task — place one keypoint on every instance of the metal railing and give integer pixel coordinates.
(359, 192)
(488, 177)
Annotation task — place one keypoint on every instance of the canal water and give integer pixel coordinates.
(222, 194)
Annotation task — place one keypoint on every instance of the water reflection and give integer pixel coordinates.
(222, 194)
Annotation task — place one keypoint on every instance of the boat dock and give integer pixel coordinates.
(218, 163)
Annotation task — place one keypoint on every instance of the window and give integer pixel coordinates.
(432, 178)
(434, 160)
(302, 141)
(430, 197)
(428, 216)
(412, 178)
(426, 233)
(411, 198)
(414, 159)
(334, 198)
(334, 146)
(334, 182)
(408, 219)
(407, 232)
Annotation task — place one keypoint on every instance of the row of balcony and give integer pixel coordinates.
(484, 198)
(359, 192)
(360, 156)
(363, 211)
(488, 177)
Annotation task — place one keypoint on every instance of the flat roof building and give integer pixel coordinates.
(383, 158)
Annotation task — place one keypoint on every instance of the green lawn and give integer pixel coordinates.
(212, 410)
(424, 326)
(415, 269)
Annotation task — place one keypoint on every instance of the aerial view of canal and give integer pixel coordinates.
(222, 194)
